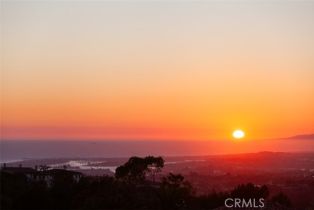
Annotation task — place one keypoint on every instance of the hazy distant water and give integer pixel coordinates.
(18, 150)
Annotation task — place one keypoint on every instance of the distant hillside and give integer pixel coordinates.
(305, 136)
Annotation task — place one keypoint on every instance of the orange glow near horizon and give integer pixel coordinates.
(122, 72)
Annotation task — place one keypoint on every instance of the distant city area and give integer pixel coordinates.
(290, 173)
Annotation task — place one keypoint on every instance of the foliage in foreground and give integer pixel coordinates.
(128, 190)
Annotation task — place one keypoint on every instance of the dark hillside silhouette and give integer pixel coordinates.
(132, 188)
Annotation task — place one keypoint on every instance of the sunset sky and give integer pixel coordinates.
(157, 69)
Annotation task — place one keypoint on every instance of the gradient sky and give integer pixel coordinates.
(157, 69)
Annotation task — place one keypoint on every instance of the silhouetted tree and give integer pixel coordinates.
(155, 164)
(136, 168)
(174, 192)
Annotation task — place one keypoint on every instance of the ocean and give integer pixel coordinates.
(15, 150)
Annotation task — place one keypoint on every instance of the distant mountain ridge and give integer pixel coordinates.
(303, 136)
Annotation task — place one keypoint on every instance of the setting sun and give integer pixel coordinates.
(238, 134)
